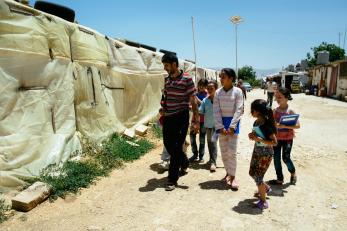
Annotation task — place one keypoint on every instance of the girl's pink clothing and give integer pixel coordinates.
(283, 133)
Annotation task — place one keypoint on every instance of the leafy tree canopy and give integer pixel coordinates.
(247, 73)
(335, 53)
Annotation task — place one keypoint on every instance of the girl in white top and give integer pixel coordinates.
(228, 109)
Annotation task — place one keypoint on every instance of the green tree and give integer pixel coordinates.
(335, 53)
(248, 74)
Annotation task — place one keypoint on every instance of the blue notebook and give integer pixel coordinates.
(289, 120)
(258, 131)
(227, 122)
(260, 134)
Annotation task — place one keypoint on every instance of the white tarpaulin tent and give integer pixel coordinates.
(37, 116)
(59, 78)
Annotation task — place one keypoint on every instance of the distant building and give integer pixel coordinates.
(332, 77)
(323, 57)
(304, 64)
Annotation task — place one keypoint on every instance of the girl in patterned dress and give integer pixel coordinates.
(264, 135)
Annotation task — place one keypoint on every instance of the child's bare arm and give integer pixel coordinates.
(296, 126)
(271, 142)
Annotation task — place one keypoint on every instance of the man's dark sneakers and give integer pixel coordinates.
(182, 172)
(193, 159)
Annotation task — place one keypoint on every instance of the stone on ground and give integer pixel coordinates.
(141, 130)
(31, 197)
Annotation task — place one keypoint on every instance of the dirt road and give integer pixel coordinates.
(134, 198)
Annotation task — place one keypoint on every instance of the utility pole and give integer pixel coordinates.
(344, 39)
(196, 67)
(236, 20)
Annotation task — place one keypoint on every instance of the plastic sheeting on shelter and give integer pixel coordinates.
(59, 78)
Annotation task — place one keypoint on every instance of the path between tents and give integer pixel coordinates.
(133, 198)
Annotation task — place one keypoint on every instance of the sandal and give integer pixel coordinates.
(262, 204)
(224, 179)
(232, 184)
(275, 182)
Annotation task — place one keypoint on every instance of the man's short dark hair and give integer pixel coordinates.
(169, 58)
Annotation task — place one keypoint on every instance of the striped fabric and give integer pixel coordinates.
(228, 149)
(227, 104)
(176, 94)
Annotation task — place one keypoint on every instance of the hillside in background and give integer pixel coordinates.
(259, 72)
(263, 72)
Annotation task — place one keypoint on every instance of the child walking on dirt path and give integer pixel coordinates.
(202, 93)
(228, 109)
(264, 135)
(206, 109)
(285, 136)
(165, 156)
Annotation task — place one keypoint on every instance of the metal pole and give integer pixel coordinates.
(194, 47)
(236, 50)
(344, 39)
(339, 39)
(236, 20)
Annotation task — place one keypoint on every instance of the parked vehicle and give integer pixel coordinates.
(289, 80)
(295, 86)
(247, 86)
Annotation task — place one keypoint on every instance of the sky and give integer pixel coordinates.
(274, 34)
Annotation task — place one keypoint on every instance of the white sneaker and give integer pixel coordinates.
(165, 164)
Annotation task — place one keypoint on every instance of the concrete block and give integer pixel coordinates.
(129, 133)
(31, 197)
(141, 130)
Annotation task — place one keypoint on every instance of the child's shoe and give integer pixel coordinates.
(262, 204)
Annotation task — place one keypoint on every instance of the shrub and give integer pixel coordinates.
(3, 210)
(99, 160)
(157, 131)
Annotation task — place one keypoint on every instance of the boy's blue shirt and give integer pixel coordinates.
(206, 108)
